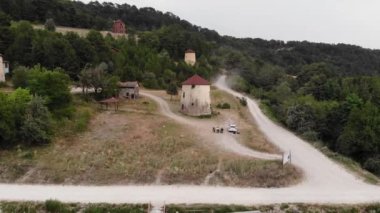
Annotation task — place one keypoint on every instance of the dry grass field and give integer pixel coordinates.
(137, 145)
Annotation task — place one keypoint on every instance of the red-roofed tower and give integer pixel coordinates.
(195, 96)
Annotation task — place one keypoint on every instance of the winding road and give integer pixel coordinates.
(325, 181)
(203, 129)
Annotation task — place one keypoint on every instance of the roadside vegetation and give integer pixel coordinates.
(53, 206)
(281, 208)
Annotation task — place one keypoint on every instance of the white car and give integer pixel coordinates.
(232, 129)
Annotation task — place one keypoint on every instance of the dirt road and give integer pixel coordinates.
(203, 128)
(325, 182)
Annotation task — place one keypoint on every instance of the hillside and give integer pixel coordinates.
(348, 59)
(326, 93)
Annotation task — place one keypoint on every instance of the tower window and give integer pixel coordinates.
(183, 94)
(192, 86)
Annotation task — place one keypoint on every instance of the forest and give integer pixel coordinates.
(324, 92)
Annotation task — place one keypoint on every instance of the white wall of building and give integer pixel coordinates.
(190, 58)
(195, 100)
(2, 70)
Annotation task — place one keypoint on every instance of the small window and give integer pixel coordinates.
(183, 94)
(192, 104)
(192, 86)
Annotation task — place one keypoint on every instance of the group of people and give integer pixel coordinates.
(217, 129)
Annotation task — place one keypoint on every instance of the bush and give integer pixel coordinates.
(106, 208)
(373, 165)
(54, 206)
(223, 106)
(50, 25)
(37, 123)
(20, 77)
(310, 136)
(243, 101)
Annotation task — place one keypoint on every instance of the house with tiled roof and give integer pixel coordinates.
(129, 89)
(195, 96)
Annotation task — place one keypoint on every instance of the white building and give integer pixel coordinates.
(195, 96)
(4, 69)
(190, 57)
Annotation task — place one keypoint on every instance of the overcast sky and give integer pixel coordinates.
(332, 21)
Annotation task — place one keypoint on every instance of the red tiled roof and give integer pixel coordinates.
(118, 21)
(196, 80)
(189, 51)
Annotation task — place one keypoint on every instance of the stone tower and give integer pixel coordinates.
(195, 97)
(190, 57)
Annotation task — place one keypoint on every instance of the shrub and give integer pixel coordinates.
(310, 136)
(37, 123)
(243, 101)
(106, 208)
(223, 106)
(50, 25)
(54, 206)
(20, 77)
(373, 165)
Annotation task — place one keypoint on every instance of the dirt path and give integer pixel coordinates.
(326, 181)
(225, 141)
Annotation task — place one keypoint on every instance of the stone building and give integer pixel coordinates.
(195, 96)
(119, 27)
(190, 57)
(4, 68)
(129, 89)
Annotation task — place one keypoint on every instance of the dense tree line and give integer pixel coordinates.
(349, 60)
(155, 64)
(94, 15)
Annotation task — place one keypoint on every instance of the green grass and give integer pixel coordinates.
(54, 206)
(78, 123)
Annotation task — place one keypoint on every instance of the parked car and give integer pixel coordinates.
(233, 129)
